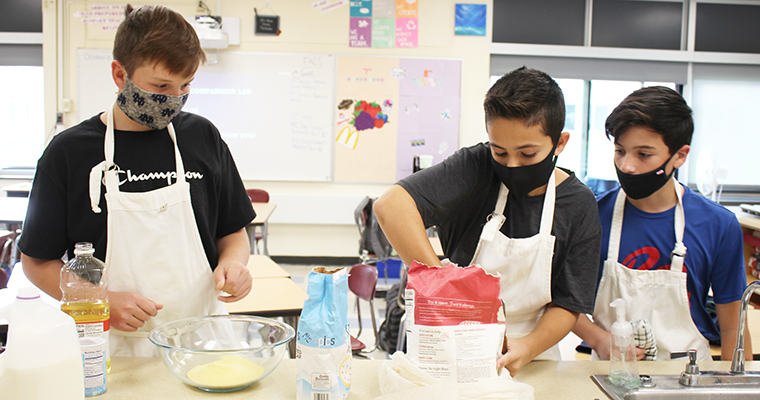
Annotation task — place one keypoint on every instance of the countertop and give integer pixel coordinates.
(147, 378)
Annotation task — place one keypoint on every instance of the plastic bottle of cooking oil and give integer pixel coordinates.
(84, 295)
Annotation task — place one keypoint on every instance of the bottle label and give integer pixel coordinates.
(98, 329)
(87, 329)
(94, 361)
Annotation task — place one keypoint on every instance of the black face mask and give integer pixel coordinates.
(523, 180)
(644, 185)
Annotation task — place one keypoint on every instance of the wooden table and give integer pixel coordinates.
(749, 223)
(273, 297)
(262, 266)
(148, 378)
(13, 210)
(263, 211)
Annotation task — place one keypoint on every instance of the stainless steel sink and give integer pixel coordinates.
(693, 383)
(667, 387)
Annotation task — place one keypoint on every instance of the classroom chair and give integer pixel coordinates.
(362, 280)
(258, 196)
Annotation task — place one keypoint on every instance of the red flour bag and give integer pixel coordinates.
(452, 321)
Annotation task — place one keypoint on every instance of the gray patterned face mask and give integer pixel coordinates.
(149, 109)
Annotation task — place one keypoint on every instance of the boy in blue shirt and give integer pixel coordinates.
(664, 247)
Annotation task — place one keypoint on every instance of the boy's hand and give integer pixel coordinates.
(130, 311)
(234, 279)
(518, 354)
(603, 349)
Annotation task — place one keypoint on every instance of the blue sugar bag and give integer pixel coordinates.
(323, 341)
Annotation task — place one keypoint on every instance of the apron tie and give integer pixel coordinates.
(96, 174)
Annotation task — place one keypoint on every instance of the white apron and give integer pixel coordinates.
(658, 296)
(525, 266)
(154, 249)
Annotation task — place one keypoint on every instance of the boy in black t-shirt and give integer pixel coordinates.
(154, 189)
(503, 205)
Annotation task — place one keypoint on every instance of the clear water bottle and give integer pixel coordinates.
(84, 295)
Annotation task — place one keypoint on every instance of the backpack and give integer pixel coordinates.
(387, 335)
(372, 240)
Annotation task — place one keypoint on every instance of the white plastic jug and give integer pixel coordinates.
(43, 358)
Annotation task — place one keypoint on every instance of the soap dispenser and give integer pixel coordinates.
(623, 369)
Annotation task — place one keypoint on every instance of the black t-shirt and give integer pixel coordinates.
(458, 194)
(59, 213)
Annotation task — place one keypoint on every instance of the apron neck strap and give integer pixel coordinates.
(108, 146)
(97, 172)
(547, 212)
(679, 251)
(616, 228)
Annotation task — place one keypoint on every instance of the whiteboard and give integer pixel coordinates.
(274, 110)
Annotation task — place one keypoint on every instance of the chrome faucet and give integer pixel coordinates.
(737, 362)
(694, 383)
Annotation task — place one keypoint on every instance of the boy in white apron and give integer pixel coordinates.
(664, 246)
(504, 205)
(154, 189)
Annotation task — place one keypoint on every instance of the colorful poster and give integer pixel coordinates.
(406, 32)
(382, 23)
(470, 19)
(383, 32)
(406, 8)
(360, 32)
(384, 8)
(361, 8)
(390, 110)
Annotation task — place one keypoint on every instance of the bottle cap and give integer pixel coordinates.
(28, 293)
(83, 248)
(621, 327)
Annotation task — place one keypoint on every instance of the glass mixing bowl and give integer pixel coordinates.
(222, 353)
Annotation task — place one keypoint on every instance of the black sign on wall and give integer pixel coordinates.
(267, 25)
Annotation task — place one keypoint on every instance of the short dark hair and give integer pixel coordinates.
(660, 109)
(531, 95)
(157, 34)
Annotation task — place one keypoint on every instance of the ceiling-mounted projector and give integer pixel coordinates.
(210, 33)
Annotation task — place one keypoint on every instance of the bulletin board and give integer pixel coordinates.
(273, 110)
(389, 110)
(293, 117)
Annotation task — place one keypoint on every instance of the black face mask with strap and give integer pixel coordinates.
(644, 185)
(524, 179)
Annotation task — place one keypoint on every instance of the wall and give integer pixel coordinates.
(304, 30)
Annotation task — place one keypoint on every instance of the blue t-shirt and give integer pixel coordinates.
(714, 249)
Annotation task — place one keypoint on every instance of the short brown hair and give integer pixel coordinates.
(156, 34)
(658, 108)
(530, 95)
